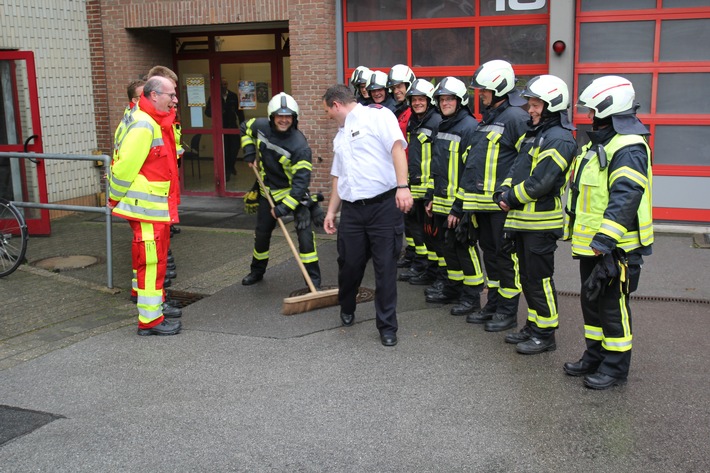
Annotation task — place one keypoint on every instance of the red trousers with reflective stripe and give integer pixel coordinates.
(150, 258)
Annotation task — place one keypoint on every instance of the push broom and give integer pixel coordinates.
(306, 302)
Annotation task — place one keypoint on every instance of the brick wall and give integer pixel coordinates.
(131, 45)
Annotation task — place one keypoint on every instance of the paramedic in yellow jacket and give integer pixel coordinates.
(143, 189)
(611, 227)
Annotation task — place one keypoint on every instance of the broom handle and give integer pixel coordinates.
(285, 231)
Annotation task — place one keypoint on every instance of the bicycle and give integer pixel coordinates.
(13, 238)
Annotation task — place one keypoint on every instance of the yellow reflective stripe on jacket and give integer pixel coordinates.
(419, 190)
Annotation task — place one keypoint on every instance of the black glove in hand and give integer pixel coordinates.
(606, 269)
(461, 230)
(317, 215)
(302, 217)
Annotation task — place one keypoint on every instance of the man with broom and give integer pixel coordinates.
(370, 182)
(286, 172)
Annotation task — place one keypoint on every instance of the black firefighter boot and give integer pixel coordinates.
(470, 301)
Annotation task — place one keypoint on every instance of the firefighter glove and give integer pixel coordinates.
(302, 217)
(281, 210)
(251, 202)
(317, 215)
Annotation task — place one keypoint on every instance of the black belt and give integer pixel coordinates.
(375, 200)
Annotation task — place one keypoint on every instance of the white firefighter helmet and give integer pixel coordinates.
(399, 74)
(550, 89)
(282, 104)
(422, 87)
(608, 95)
(360, 76)
(497, 76)
(378, 80)
(452, 86)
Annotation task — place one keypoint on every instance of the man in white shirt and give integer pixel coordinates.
(370, 183)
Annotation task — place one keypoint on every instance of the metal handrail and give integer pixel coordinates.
(74, 208)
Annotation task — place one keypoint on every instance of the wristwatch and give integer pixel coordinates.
(403, 186)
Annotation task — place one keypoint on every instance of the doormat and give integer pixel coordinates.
(16, 422)
(701, 240)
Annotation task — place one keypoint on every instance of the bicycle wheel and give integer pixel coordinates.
(13, 238)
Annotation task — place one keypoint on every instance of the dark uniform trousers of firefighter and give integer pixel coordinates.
(535, 220)
(626, 222)
(286, 170)
(494, 149)
(453, 137)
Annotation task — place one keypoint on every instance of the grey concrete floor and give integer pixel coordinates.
(244, 388)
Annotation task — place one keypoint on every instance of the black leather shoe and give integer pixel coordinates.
(174, 230)
(170, 274)
(602, 381)
(519, 337)
(579, 368)
(465, 308)
(480, 317)
(252, 278)
(404, 262)
(500, 322)
(388, 340)
(422, 279)
(536, 345)
(167, 282)
(347, 319)
(171, 259)
(408, 274)
(441, 298)
(171, 266)
(166, 327)
(171, 312)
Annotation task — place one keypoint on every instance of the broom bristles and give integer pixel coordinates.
(310, 301)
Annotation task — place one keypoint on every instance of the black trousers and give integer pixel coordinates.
(232, 143)
(414, 232)
(502, 269)
(465, 276)
(370, 231)
(265, 225)
(607, 321)
(536, 254)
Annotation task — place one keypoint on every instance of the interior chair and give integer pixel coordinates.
(192, 154)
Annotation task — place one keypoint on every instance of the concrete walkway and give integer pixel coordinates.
(244, 388)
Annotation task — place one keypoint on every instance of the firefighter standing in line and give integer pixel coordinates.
(611, 226)
(497, 141)
(421, 129)
(358, 80)
(379, 94)
(532, 197)
(449, 154)
(143, 190)
(285, 165)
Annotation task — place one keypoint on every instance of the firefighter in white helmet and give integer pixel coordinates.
(531, 196)
(611, 227)
(284, 159)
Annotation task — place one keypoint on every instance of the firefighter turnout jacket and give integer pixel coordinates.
(421, 132)
(537, 180)
(285, 160)
(495, 146)
(610, 201)
(449, 153)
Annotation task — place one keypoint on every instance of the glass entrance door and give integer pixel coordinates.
(213, 162)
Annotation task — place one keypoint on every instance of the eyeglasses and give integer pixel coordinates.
(172, 96)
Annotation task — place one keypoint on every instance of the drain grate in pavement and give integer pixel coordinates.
(364, 294)
(16, 422)
(184, 298)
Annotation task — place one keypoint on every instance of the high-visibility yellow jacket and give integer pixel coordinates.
(611, 204)
(144, 176)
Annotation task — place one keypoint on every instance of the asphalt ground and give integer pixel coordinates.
(244, 388)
